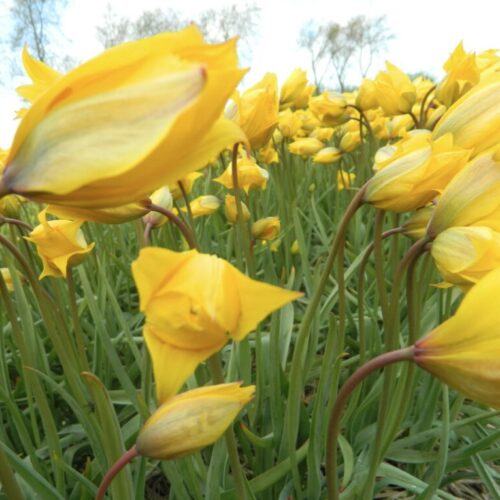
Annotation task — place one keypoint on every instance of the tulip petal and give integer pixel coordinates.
(172, 365)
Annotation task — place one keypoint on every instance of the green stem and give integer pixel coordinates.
(297, 374)
(422, 108)
(240, 223)
(379, 264)
(352, 382)
(215, 365)
(188, 208)
(8, 479)
(15, 222)
(186, 232)
(125, 459)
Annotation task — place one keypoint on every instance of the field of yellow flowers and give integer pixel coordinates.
(269, 294)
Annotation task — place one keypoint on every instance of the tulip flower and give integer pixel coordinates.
(268, 154)
(204, 205)
(7, 278)
(134, 118)
(192, 420)
(163, 198)
(410, 173)
(193, 304)
(350, 141)
(323, 133)
(464, 352)
(293, 88)
(344, 179)
(307, 146)
(329, 108)
(415, 226)
(327, 155)
(474, 120)
(231, 211)
(472, 197)
(250, 175)
(267, 228)
(187, 183)
(394, 91)
(366, 98)
(289, 123)
(60, 244)
(256, 110)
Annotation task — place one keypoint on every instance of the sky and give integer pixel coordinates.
(425, 33)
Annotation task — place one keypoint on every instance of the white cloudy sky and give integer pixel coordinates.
(425, 31)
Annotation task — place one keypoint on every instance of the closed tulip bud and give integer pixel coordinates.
(415, 226)
(344, 179)
(114, 215)
(293, 88)
(327, 155)
(322, 133)
(463, 255)
(414, 171)
(329, 108)
(256, 110)
(366, 98)
(307, 146)
(471, 198)
(204, 205)
(462, 74)
(187, 183)
(394, 91)
(7, 278)
(474, 120)
(134, 118)
(231, 211)
(268, 154)
(303, 100)
(308, 119)
(192, 420)
(209, 302)
(295, 248)
(163, 198)
(267, 228)
(289, 123)
(250, 175)
(464, 352)
(60, 244)
(350, 141)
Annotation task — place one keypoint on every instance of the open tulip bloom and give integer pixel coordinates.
(194, 303)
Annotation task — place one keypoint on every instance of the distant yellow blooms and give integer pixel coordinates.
(250, 175)
(267, 228)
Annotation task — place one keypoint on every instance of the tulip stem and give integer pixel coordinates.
(4, 190)
(388, 358)
(125, 459)
(15, 222)
(147, 234)
(240, 223)
(414, 118)
(215, 365)
(297, 374)
(186, 232)
(188, 208)
(423, 111)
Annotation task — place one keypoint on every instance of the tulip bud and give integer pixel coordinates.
(231, 211)
(416, 226)
(7, 278)
(289, 123)
(344, 179)
(322, 133)
(464, 351)
(308, 146)
(349, 141)
(163, 198)
(366, 97)
(394, 91)
(329, 108)
(293, 88)
(187, 183)
(250, 175)
(267, 228)
(327, 155)
(295, 248)
(268, 154)
(204, 205)
(192, 420)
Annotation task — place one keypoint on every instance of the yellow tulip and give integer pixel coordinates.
(303, 100)
(344, 179)
(308, 119)
(412, 172)
(187, 183)
(7, 278)
(327, 155)
(464, 352)
(329, 108)
(114, 215)
(393, 127)
(204, 205)
(231, 211)
(474, 120)
(463, 255)
(322, 133)
(293, 88)
(394, 91)
(267, 228)
(350, 141)
(193, 304)
(289, 123)
(415, 226)
(192, 420)
(250, 175)
(462, 74)
(60, 244)
(256, 110)
(307, 146)
(268, 154)
(138, 116)
(472, 197)
(163, 198)
(366, 97)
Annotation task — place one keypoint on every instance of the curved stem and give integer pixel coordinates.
(147, 234)
(15, 222)
(379, 263)
(352, 382)
(297, 374)
(186, 232)
(126, 458)
(424, 102)
(414, 118)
